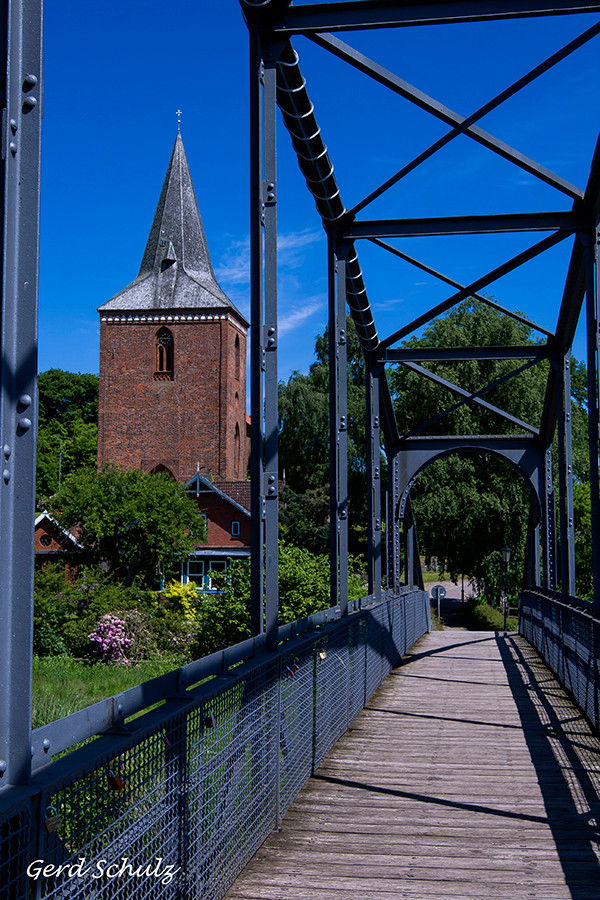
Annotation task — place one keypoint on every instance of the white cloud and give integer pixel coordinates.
(234, 265)
(295, 316)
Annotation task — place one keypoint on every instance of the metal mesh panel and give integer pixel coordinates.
(297, 722)
(122, 819)
(567, 640)
(374, 653)
(180, 808)
(234, 765)
(332, 693)
(357, 661)
(15, 829)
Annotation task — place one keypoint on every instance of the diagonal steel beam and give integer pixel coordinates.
(496, 101)
(456, 284)
(348, 15)
(573, 294)
(475, 397)
(506, 267)
(439, 110)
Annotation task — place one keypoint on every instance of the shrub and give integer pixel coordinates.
(180, 600)
(111, 640)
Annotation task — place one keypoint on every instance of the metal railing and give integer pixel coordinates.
(174, 803)
(568, 639)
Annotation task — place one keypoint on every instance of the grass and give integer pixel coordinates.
(429, 577)
(62, 685)
(480, 616)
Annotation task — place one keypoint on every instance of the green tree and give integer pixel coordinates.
(131, 522)
(224, 617)
(582, 507)
(68, 426)
(304, 448)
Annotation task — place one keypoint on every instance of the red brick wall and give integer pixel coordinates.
(219, 515)
(144, 423)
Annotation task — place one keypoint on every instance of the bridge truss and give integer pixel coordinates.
(277, 82)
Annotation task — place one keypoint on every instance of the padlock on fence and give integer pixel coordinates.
(115, 782)
(53, 822)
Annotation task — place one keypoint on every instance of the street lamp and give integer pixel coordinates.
(506, 554)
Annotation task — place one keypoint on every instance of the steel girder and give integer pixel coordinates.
(529, 448)
(20, 25)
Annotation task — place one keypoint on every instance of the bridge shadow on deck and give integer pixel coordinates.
(467, 809)
(556, 742)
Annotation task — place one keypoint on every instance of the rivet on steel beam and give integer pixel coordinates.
(13, 148)
(271, 490)
(29, 81)
(120, 708)
(271, 330)
(25, 400)
(271, 479)
(6, 451)
(46, 745)
(23, 425)
(29, 103)
(6, 476)
(13, 126)
(3, 767)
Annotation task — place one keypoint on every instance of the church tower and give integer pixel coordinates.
(173, 353)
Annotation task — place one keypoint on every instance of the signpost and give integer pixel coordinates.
(438, 592)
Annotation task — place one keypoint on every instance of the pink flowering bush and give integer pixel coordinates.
(111, 640)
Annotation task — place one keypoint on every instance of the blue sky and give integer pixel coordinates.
(115, 74)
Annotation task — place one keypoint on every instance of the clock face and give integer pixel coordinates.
(165, 339)
(45, 540)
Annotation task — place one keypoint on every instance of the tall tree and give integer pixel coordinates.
(68, 427)
(304, 448)
(133, 523)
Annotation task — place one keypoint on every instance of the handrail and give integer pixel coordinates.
(111, 713)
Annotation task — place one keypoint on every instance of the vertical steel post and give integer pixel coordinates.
(565, 481)
(373, 480)
(338, 429)
(264, 459)
(548, 545)
(257, 504)
(271, 458)
(593, 370)
(21, 27)
(392, 533)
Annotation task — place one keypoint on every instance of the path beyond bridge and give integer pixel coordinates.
(469, 774)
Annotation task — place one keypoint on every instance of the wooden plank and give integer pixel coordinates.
(469, 774)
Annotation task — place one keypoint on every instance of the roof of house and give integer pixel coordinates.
(237, 493)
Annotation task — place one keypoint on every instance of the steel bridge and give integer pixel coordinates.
(200, 781)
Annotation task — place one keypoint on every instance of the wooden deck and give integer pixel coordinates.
(470, 774)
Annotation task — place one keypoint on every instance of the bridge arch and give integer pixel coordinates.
(525, 455)
(528, 461)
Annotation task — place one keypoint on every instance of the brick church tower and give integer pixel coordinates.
(173, 353)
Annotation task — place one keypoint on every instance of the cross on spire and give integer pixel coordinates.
(178, 114)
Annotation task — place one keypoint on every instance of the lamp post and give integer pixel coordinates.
(506, 554)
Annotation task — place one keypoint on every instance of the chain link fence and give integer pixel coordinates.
(568, 639)
(173, 804)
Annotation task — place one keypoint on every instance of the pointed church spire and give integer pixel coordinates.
(176, 270)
